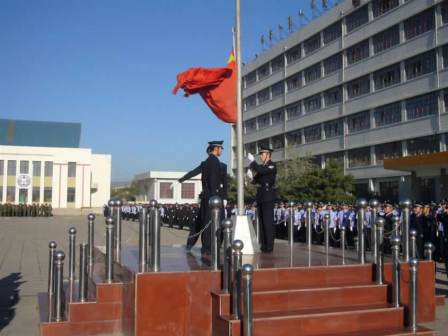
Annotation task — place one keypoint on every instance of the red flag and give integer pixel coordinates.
(217, 86)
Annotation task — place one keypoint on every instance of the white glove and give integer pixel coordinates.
(224, 202)
(250, 175)
(251, 157)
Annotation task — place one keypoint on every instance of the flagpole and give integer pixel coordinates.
(239, 113)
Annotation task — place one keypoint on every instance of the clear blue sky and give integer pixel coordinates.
(111, 65)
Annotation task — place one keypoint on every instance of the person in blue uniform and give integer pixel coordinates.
(264, 176)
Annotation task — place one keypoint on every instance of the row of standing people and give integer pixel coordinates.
(26, 210)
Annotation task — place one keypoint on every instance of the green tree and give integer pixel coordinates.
(126, 194)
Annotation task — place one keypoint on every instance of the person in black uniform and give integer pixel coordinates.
(214, 183)
(264, 177)
(417, 222)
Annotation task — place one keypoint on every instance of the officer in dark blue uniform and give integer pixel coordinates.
(264, 176)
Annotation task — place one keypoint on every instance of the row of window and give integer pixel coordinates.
(23, 195)
(167, 192)
(362, 157)
(414, 26)
(24, 168)
(414, 108)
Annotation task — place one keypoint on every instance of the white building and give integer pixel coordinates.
(62, 175)
(164, 188)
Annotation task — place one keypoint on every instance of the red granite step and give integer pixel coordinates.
(326, 321)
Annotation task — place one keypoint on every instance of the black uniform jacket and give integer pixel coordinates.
(264, 178)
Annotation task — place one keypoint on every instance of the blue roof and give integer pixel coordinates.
(39, 133)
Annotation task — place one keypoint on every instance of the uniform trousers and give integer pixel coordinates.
(266, 218)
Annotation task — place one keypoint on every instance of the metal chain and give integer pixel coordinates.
(200, 232)
(332, 236)
(387, 235)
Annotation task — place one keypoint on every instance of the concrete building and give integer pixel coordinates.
(41, 162)
(365, 82)
(164, 188)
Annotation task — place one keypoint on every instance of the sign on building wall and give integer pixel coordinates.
(23, 181)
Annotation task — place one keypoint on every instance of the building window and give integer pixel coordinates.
(387, 114)
(338, 157)
(165, 190)
(390, 150)
(359, 157)
(71, 194)
(332, 32)
(312, 103)
(187, 190)
(387, 77)
(357, 19)
(383, 6)
(250, 147)
(311, 44)
(12, 167)
(444, 7)
(445, 101)
(264, 121)
(262, 143)
(332, 64)
(277, 64)
(250, 101)
(278, 89)
(250, 78)
(294, 110)
(36, 168)
(36, 195)
(23, 196)
(312, 73)
(294, 138)
(333, 96)
(419, 24)
(420, 65)
(10, 194)
(358, 87)
(358, 122)
(312, 133)
(445, 55)
(48, 169)
(333, 128)
(277, 116)
(423, 146)
(278, 142)
(2, 169)
(422, 106)
(263, 71)
(24, 167)
(294, 54)
(48, 195)
(263, 96)
(72, 169)
(250, 125)
(294, 82)
(358, 52)
(386, 39)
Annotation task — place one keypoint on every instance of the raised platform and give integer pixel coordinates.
(309, 294)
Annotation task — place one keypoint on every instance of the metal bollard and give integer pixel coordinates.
(248, 300)
(343, 244)
(82, 272)
(396, 224)
(362, 204)
(226, 226)
(215, 204)
(71, 253)
(412, 244)
(395, 242)
(109, 249)
(142, 242)
(327, 234)
(380, 253)
(257, 225)
(118, 204)
(308, 223)
(374, 203)
(52, 246)
(429, 249)
(291, 233)
(412, 308)
(155, 236)
(90, 237)
(237, 259)
(59, 298)
(405, 223)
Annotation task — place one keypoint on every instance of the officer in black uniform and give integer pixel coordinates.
(264, 177)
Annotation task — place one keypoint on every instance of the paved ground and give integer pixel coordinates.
(24, 266)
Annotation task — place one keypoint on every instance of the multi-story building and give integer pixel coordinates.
(365, 82)
(41, 162)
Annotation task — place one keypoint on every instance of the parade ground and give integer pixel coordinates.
(24, 265)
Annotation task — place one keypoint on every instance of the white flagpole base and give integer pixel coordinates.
(244, 231)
